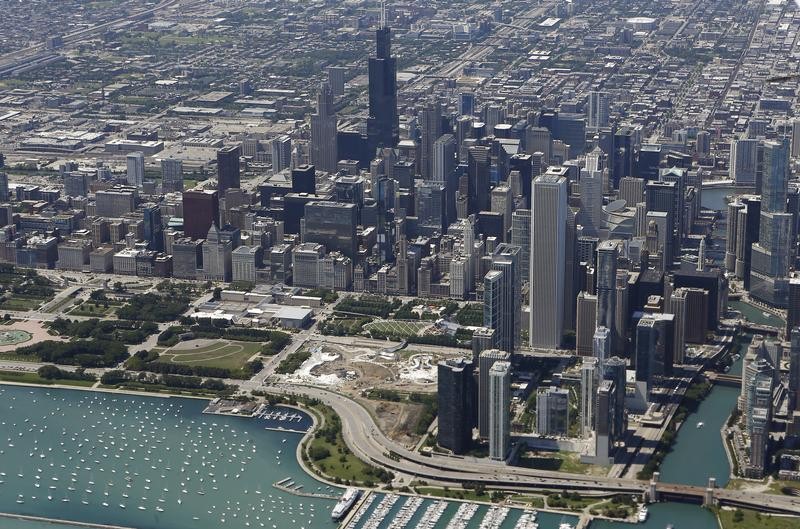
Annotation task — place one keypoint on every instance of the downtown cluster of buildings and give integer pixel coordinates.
(554, 174)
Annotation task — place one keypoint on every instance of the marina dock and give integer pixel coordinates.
(288, 485)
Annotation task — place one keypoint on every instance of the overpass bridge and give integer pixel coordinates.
(725, 379)
(365, 439)
(711, 495)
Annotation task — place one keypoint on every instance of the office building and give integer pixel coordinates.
(499, 412)
(504, 297)
(429, 205)
(153, 228)
(324, 144)
(217, 257)
(743, 163)
(486, 359)
(597, 110)
(548, 261)
(606, 412)
(115, 202)
(187, 258)
(200, 211)
(306, 258)
(521, 236)
(552, 412)
(281, 153)
(304, 179)
(135, 162)
(336, 79)
(430, 131)
(586, 323)
(631, 190)
(456, 404)
(332, 224)
(606, 274)
(654, 349)
(245, 260)
(171, 175)
(794, 371)
(228, 174)
(478, 167)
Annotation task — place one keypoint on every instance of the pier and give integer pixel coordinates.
(288, 486)
(56, 521)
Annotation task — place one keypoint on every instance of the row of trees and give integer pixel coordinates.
(84, 353)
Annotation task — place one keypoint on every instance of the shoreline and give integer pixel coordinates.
(60, 522)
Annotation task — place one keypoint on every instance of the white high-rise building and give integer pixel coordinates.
(597, 110)
(444, 157)
(590, 372)
(548, 256)
(136, 169)
(743, 163)
(499, 414)
(601, 345)
(592, 214)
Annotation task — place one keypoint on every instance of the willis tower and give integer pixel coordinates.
(383, 124)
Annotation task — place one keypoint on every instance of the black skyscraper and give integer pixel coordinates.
(228, 169)
(456, 391)
(383, 124)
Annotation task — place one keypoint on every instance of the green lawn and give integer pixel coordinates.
(755, 520)
(459, 494)
(397, 328)
(562, 462)
(11, 356)
(341, 464)
(224, 354)
(33, 378)
(94, 310)
(21, 303)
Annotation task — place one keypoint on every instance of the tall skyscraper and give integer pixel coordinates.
(597, 110)
(431, 130)
(794, 370)
(548, 255)
(771, 255)
(505, 258)
(171, 175)
(486, 360)
(200, 211)
(743, 163)
(607, 255)
(478, 167)
(383, 123)
(590, 376)
(456, 396)
(654, 348)
(323, 132)
(552, 411)
(499, 413)
(521, 236)
(153, 230)
(281, 153)
(228, 176)
(135, 169)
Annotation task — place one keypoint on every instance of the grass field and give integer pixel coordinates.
(754, 520)
(33, 378)
(221, 353)
(397, 328)
(21, 303)
(93, 310)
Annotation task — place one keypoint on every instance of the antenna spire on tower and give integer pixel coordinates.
(383, 14)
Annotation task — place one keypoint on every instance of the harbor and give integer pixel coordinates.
(75, 459)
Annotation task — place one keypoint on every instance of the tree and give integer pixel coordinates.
(217, 294)
(738, 516)
(49, 372)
